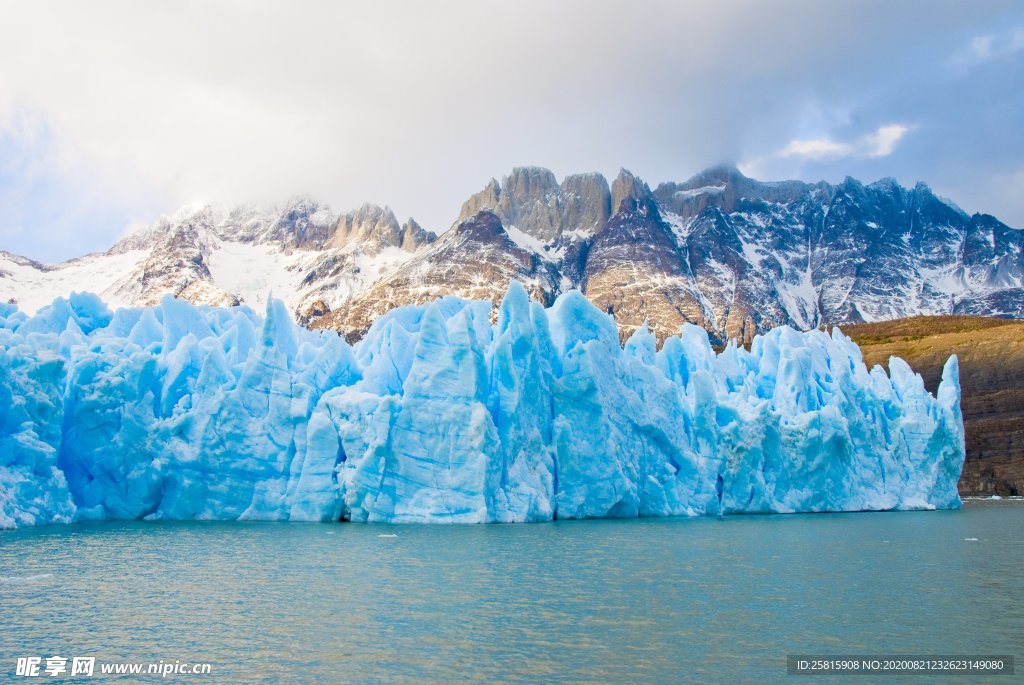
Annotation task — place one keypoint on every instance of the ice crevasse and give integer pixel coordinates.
(184, 412)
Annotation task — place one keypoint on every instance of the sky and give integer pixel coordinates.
(113, 113)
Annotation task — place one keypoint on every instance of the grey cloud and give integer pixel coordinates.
(417, 105)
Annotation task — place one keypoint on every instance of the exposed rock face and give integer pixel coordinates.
(415, 236)
(626, 186)
(723, 187)
(586, 203)
(375, 228)
(314, 310)
(991, 354)
(476, 260)
(992, 257)
(176, 264)
(304, 223)
(532, 200)
(634, 271)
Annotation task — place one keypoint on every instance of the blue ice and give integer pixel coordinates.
(440, 416)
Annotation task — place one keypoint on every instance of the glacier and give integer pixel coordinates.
(451, 412)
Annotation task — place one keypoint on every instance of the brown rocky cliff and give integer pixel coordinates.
(991, 354)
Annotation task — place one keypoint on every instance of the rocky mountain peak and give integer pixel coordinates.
(371, 226)
(531, 200)
(476, 259)
(302, 222)
(720, 174)
(192, 218)
(488, 198)
(592, 186)
(485, 226)
(529, 184)
(725, 186)
(370, 214)
(195, 213)
(586, 205)
(300, 205)
(627, 186)
(884, 184)
(414, 235)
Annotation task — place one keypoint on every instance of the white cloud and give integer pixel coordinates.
(987, 47)
(878, 143)
(819, 148)
(981, 47)
(882, 142)
(417, 105)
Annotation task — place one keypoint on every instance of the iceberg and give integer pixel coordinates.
(439, 415)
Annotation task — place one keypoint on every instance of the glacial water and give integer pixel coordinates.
(646, 601)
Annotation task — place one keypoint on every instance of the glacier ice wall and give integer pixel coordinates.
(438, 415)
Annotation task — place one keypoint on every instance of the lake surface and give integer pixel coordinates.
(647, 601)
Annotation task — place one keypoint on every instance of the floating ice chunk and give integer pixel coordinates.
(25, 580)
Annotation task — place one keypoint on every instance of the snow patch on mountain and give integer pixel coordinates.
(534, 245)
(32, 286)
(257, 272)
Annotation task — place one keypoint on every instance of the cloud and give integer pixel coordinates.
(878, 143)
(882, 142)
(48, 208)
(987, 47)
(819, 148)
(981, 47)
(149, 105)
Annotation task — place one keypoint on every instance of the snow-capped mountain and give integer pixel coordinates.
(724, 251)
(301, 253)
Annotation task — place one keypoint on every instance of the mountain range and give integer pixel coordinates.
(734, 255)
